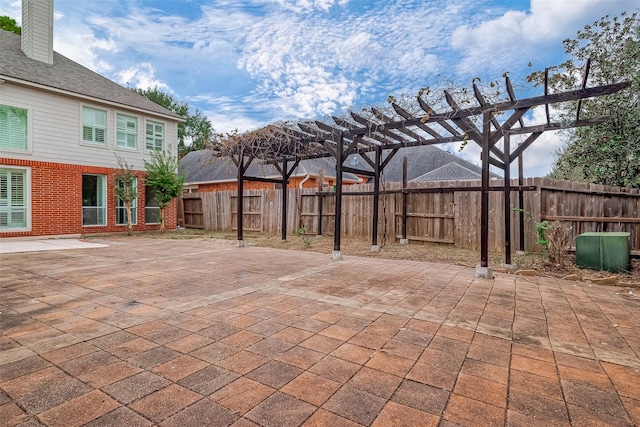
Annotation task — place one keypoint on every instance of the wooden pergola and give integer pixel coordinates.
(484, 123)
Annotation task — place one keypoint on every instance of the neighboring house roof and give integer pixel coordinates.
(68, 76)
(202, 167)
(449, 172)
(420, 161)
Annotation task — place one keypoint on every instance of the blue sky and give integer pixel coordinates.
(246, 63)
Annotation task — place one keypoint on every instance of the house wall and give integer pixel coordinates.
(55, 130)
(56, 200)
(57, 158)
(312, 182)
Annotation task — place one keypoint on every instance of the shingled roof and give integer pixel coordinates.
(204, 167)
(449, 172)
(420, 161)
(68, 76)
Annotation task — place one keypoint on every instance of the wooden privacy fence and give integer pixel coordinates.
(445, 212)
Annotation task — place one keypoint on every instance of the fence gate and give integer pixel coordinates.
(193, 214)
(430, 217)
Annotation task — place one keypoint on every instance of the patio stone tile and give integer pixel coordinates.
(292, 335)
(274, 374)
(242, 395)
(22, 367)
(487, 371)
(390, 363)
(70, 352)
(311, 325)
(270, 347)
(353, 353)
(195, 324)
(242, 339)
(311, 388)
(480, 389)
(263, 313)
(154, 357)
(493, 355)
(423, 326)
(122, 416)
(281, 410)
(432, 375)
(189, 343)
(420, 396)
(243, 362)
(376, 382)
(163, 403)
(369, 340)
(625, 379)
(537, 408)
(533, 366)
(581, 416)
(243, 321)
(322, 418)
(335, 369)
(208, 380)
(536, 384)
(108, 374)
(594, 399)
(633, 409)
(597, 380)
(403, 349)
(218, 331)
(301, 357)
(469, 412)
(266, 328)
(394, 414)
(80, 410)
(147, 329)
(112, 339)
(180, 367)
(354, 322)
(338, 332)
(355, 405)
(202, 413)
(321, 344)
(12, 415)
(214, 352)
(131, 348)
(383, 329)
(135, 387)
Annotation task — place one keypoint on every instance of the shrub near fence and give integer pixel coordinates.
(437, 211)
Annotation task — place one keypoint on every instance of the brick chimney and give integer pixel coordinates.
(37, 30)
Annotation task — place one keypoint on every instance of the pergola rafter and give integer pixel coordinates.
(289, 143)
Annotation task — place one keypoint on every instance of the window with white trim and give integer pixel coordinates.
(13, 128)
(94, 200)
(121, 209)
(13, 198)
(155, 136)
(94, 126)
(127, 132)
(151, 207)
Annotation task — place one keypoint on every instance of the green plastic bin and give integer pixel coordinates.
(608, 251)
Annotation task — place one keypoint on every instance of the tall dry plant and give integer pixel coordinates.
(558, 236)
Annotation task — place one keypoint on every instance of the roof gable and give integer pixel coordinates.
(69, 76)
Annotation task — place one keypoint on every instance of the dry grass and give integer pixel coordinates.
(426, 252)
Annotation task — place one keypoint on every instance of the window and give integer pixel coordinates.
(127, 132)
(155, 136)
(151, 208)
(121, 209)
(94, 126)
(13, 128)
(94, 209)
(13, 198)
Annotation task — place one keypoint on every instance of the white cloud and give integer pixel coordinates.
(309, 5)
(142, 76)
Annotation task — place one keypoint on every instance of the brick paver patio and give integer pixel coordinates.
(202, 333)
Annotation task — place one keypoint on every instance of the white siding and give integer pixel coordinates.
(56, 130)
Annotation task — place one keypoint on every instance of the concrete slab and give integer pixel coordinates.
(28, 245)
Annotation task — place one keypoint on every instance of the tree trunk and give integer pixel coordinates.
(129, 222)
(162, 220)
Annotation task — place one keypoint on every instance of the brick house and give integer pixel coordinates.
(62, 129)
(203, 172)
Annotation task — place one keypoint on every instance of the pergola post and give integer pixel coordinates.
(376, 200)
(240, 199)
(483, 269)
(521, 203)
(338, 213)
(320, 213)
(284, 199)
(404, 240)
(507, 202)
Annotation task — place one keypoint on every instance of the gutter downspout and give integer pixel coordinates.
(306, 178)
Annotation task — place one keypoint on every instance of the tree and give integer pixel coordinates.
(608, 153)
(9, 24)
(163, 178)
(125, 188)
(195, 133)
